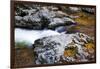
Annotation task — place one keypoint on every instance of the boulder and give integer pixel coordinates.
(89, 10)
(41, 17)
(62, 48)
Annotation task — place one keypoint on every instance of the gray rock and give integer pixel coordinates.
(49, 50)
(89, 10)
(40, 17)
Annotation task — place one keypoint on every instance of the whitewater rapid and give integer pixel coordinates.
(30, 36)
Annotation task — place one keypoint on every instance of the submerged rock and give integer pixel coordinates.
(64, 47)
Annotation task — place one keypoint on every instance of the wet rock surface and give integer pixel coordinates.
(89, 10)
(64, 47)
(38, 18)
(66, 34)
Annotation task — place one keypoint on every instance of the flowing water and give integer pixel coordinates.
(30, 36)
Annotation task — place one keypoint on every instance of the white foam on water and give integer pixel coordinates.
(31, 35)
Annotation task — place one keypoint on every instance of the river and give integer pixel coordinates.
(30, 36)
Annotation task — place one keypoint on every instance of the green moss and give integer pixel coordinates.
(22, 44)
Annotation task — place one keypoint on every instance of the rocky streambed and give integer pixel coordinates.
(53, 34)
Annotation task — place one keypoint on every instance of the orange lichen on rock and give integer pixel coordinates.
(70, 52)
(90, 47)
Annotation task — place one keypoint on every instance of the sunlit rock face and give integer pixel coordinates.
(64, 47)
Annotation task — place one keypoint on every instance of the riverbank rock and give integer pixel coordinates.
(38, 17)
(89, 10)
(64, 48)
